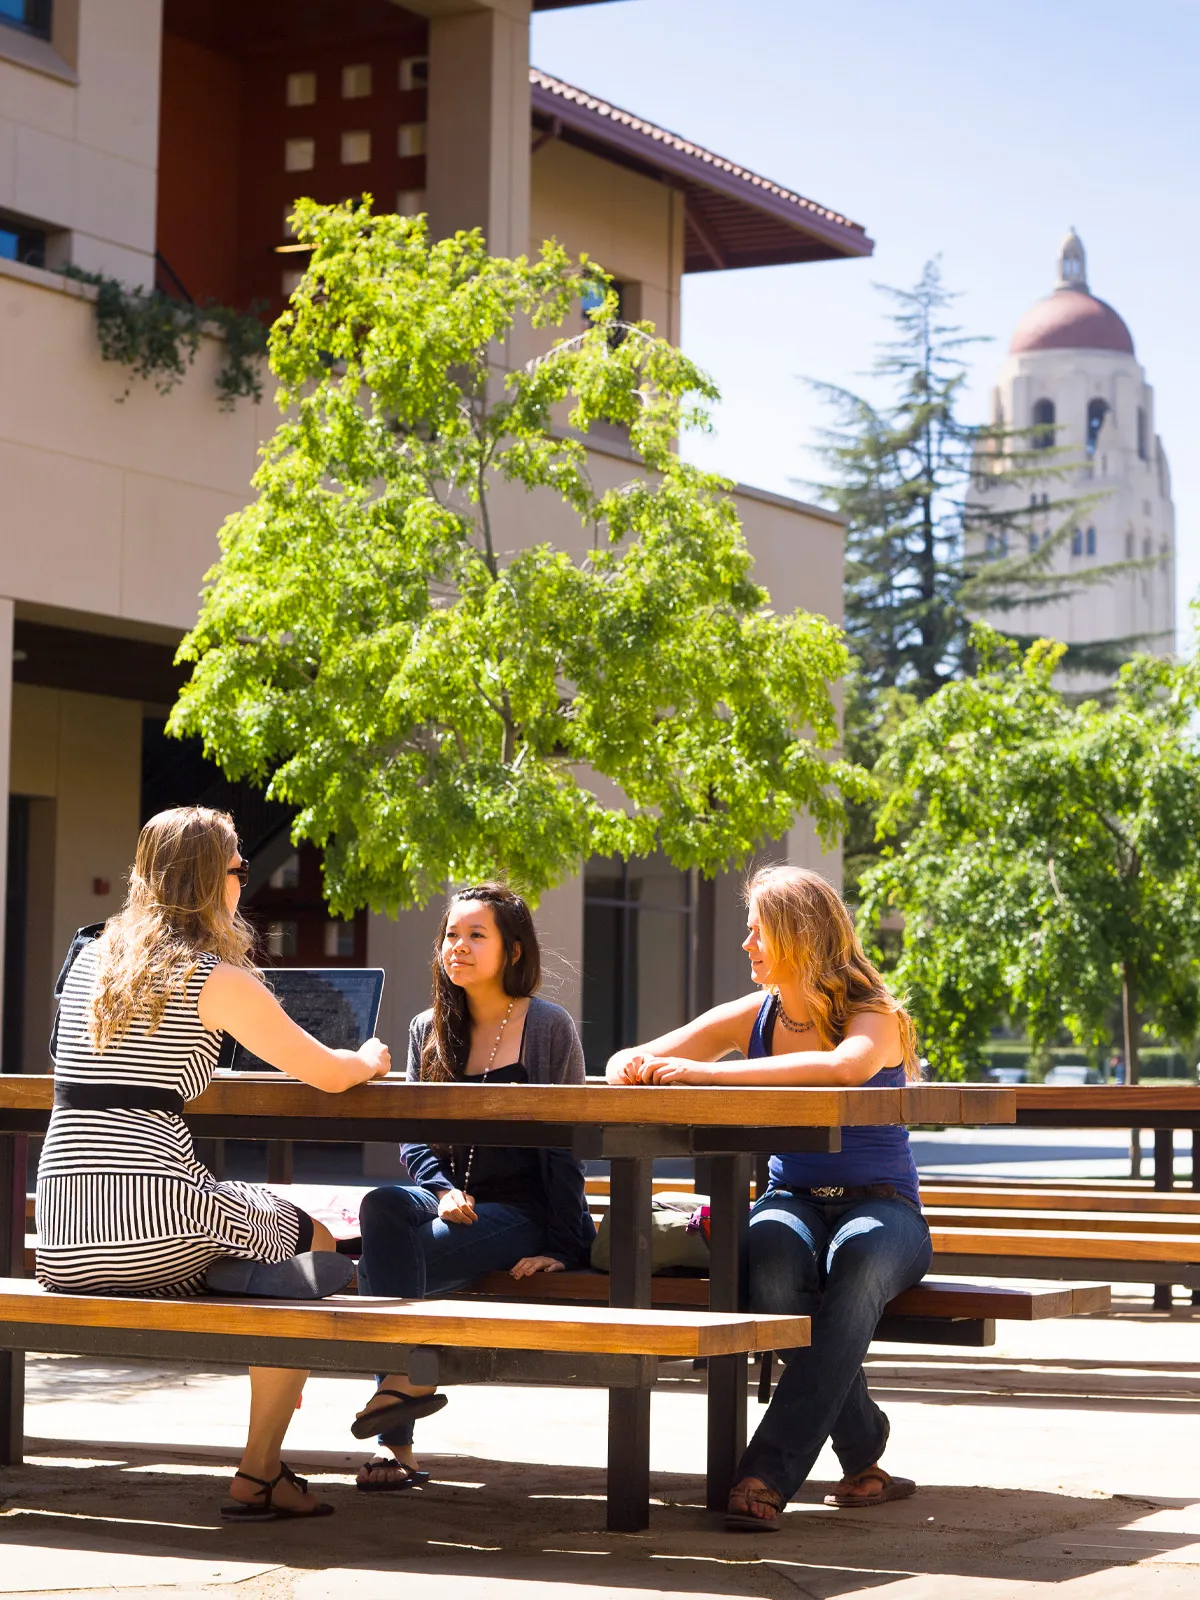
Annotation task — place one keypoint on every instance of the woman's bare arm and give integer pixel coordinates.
(715, 1034)
(237, 1003)
(872, 1042)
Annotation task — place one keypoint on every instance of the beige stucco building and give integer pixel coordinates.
(161, 142)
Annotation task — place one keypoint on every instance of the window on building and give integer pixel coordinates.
(1043, 422)
(282, 938)
(299, 155)
(356, 81)
(19, 241)
(31, 16)
(1077, 542)
(1090, 542)
(287, 876)
(410, 202)
(339, 939)
(301, 88)
(1033, 543)
(1146, 548)
(410, 139)
(1143, 434)
(641, 931)
(414, 72)
(356, 147)
(1129, 545)
(1096, 412)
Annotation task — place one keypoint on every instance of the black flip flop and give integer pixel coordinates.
(408, 1408)
(412, 1477)
(265, 1510)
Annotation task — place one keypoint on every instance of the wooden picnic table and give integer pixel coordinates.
(1119, 1105)
(627, 1125)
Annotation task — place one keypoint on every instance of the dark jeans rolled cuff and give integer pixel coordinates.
(851, 1468)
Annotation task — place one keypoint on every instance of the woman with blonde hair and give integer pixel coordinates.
(123, 1206)
(836, 1236)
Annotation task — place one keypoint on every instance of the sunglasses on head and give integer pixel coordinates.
(242, 871)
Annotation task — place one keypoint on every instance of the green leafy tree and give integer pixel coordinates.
(1050, 862)
(431, 701)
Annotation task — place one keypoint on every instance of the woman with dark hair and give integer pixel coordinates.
(472, 1209)
(123, 1205)
(835, 1236)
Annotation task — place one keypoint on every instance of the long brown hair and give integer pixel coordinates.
(806, 930)
(174, 912)
(444, 1056)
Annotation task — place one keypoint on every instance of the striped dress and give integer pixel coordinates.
(123, 1206)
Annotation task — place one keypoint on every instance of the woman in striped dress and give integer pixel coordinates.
(123, 1206)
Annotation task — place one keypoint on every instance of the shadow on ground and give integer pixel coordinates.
(528, 1526)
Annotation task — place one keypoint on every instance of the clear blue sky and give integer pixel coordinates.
(976, 132)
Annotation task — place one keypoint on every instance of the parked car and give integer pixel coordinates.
(1070, 1074)
(1009, 1075)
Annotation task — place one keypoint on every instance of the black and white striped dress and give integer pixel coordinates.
(123, 1206)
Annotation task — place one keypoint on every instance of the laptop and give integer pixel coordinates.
(337, 1005)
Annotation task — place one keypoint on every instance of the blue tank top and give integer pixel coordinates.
(868, 1155)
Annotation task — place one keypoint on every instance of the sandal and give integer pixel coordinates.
(761, 1494)
(408, 1408)
(265, 1510)
(411, 1477)
(889, 1489)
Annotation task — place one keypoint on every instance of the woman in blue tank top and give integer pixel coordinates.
(835, 1237)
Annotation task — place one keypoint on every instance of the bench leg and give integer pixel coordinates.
(730, 1179)
(1164, 1178)
(631, 1190)
(14, 1150)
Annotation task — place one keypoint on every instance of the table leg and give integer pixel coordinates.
(726, 1374)
(280, 1160)
(14, 1151)
(1164, 1178)
(631, 1190)
(1196, 1187)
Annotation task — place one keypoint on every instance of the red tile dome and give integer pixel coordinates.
(1071, 319)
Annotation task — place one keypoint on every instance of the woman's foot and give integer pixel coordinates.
(754, 1507)
(390, 1473)
(272, 1491)
(870, 1487)
(396, 1401)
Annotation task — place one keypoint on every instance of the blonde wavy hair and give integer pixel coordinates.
(174, 913)
(806, 930)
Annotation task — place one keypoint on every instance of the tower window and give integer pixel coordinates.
(1090, 542)
(1043, 423)
(1129, 546)
(18, 241)
(1033, 544)
(1096, 412)
(1077, 542)
(1143, 434)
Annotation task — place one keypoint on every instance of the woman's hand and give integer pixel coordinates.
(670, 1069)
(528, 1265)
(376, 1058)
(625, 1066)
(455, 1206)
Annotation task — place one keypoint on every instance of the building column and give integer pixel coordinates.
(7, 610)
(478, 130)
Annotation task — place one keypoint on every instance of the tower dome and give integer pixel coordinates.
(1072, 318)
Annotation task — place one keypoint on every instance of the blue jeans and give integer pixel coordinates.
(409, 1252)
(839, 1263)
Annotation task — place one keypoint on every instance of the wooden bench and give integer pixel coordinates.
(434, 1341)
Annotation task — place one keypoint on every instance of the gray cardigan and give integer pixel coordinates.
(551, 1053)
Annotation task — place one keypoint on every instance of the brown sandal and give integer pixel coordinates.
(754, 1492)
(889, 1489)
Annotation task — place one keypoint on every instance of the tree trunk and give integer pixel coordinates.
(1130, 1018)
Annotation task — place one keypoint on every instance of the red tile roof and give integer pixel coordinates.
(735, 217)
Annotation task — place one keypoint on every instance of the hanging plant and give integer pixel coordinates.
(157, 337)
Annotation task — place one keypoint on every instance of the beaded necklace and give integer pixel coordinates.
(789, 1024)
(461, 1184)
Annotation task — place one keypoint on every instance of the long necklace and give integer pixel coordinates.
(466, 1178)
(789, 1024)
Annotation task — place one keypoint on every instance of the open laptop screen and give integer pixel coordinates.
(337, 1005)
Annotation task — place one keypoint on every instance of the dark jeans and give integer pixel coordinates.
(408, 1251)
(839, 1263)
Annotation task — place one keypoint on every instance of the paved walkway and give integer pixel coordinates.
(1064, 1456)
